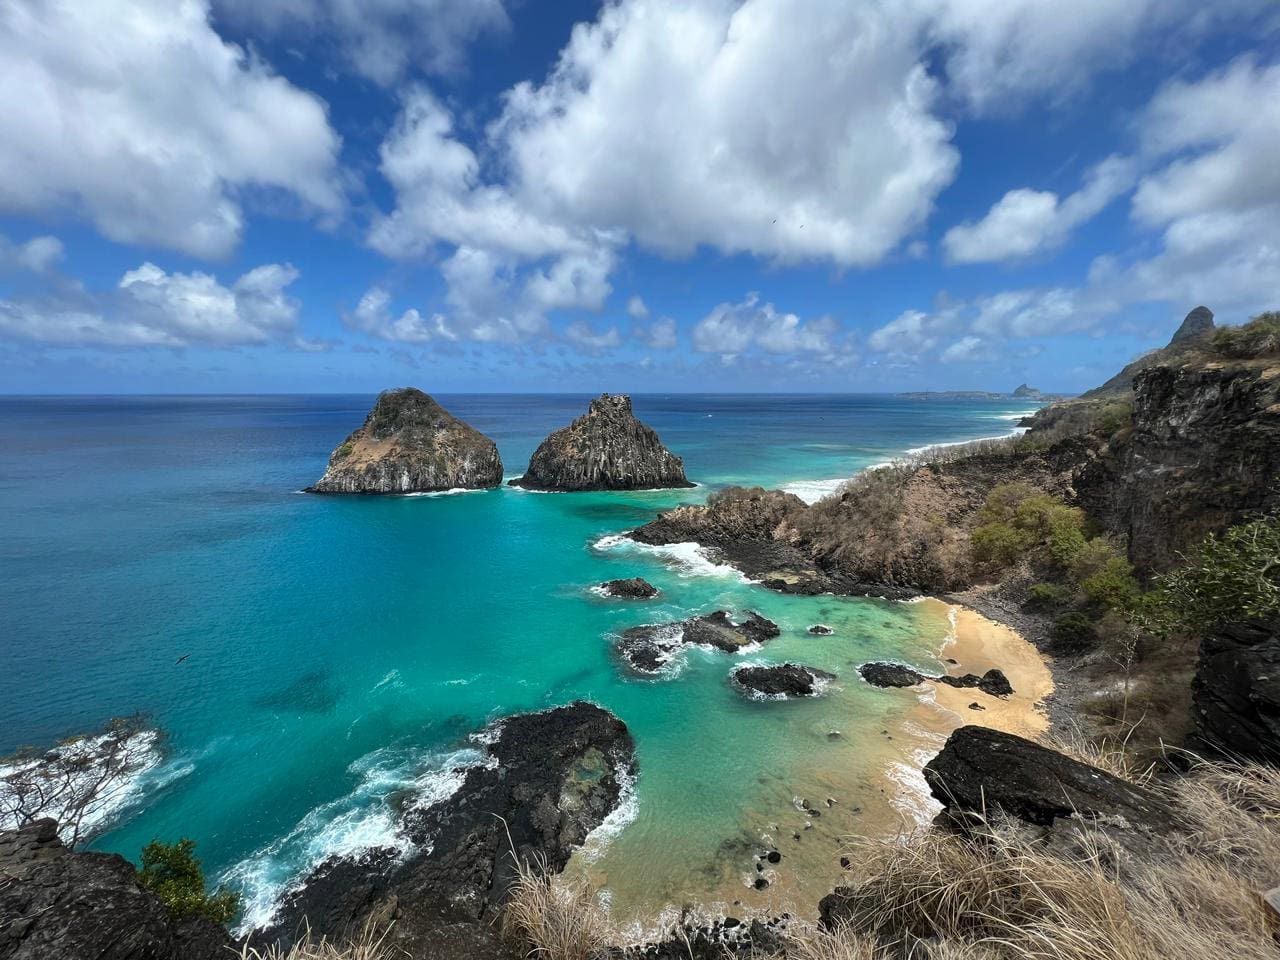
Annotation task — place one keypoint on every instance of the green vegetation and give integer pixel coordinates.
(344, 451)
(1018, 523)
(172, 872)
(1260, 337)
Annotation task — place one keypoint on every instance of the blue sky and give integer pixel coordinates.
(493, 195)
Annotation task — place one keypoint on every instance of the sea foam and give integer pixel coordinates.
(690, 559)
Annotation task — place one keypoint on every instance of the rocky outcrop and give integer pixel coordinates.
(1024, 392)
(552, 777)
(1201, 455)
(632, 588)
(1195, 326)
(411, 444)
(883, 674)
(606, 448)
(649, 648)
(1186, 342)
(981, 770)
(1236, 691)
(60, 905)
(781, 682)
(820, 630)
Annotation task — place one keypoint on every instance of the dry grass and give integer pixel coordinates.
(370, 944)
(554, 918)
(1106, 753)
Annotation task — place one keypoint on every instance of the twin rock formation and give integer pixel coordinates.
(411, 444)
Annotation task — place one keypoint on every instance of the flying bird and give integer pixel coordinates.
(181, 658)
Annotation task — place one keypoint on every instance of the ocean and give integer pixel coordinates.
(339, 650)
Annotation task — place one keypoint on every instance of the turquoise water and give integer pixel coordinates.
(341, 648)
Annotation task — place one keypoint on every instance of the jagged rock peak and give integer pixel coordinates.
(1196, 324)
(1024, 391)
(411, 444)
(606, 448)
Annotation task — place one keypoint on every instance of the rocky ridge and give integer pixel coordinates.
(607, 448)
(411, 444)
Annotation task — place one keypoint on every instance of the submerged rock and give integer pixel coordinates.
(60, 905)
(1236, 691)
(882, 674)
(550, 779)
(650, 647)
(606, 448)
(632, 588)
(411, 444)
(785, 680)
(821, 630)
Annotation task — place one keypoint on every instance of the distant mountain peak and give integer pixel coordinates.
(1196, 324)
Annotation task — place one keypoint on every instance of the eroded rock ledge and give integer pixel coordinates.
(411, 444)
(606, 448)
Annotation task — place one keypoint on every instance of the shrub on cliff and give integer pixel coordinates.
(1018, 522)
(1260, 337)
(173, 873)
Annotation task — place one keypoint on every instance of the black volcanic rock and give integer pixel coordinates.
(1236, 691)
(632, 588)
(820, 630)
(881, 674)
(785, 680)
(980, 770)
(606, 448)
(552, 777)
(1196, 324)
(650, 647)
(411, 444)
(60, 905)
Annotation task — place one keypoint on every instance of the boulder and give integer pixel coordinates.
(56, 904)
(551, 778)
(781, 681)
(632, 588)
(821, 630)
(981, 770)
(411, 444)
(606, 448)
(648, 648)
(993, 682)
(1236, 691)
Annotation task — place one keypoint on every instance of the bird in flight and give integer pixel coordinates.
(181, 658)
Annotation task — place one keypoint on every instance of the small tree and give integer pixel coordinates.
(80, 781)
(174, 874)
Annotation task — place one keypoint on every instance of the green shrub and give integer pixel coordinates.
(172, 872)
(999, 544)
(1113, 587)
(1113, 417)
(344, 450)
(1260, 337)
(1074, 631)
(1018, 522)
(1046, 596)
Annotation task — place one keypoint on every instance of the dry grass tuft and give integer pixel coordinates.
(554, 918)
(369, 944)
(841, 943)
(1112, 755)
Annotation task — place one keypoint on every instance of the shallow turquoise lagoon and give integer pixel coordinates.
(341, 649)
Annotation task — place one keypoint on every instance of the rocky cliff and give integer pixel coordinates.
(1195, 328)
(606, 448)
(411, 444)
(60, 905)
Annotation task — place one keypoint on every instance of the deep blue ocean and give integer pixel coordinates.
(339, 649)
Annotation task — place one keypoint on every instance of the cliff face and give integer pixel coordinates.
(60, 905)
(1203, 454)
(409, 444)
(605, 449)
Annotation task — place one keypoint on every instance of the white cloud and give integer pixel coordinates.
(965, 350)
(582, 334)
(636, 308)
(1025, 222)
(731, 329)
(38, 255)
(150, 307)
(137, 116)
(912, 333)
(373, 316)
(380, 39)
(659, 335)
(575, 281)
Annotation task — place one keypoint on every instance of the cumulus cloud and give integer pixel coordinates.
(965, 350)
(636, 308)
(379, 39)
(373, 316)
(659, 335)
(911, 333)
(38, 255)
(735, 328)
(1025, 222)
(582, 334)
(150, 307)
(136, 116)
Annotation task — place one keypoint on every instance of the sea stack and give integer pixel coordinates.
(411, 444)
(605, 449)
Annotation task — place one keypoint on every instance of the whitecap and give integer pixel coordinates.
(391, 678)
(811, 491)
(690, 559)
(623, 813)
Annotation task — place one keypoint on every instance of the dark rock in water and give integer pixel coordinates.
(976, 706)
(981, 770)
(784, 680)
(632, 588)
(650, 647)
(607, 448)
(1024, 392)
(993, 682)
(60, 905)
(552, 778)
(411, 444)
(1236, 691)
(821, 630)
(1197, 323)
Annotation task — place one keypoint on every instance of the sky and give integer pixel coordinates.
(265, 196)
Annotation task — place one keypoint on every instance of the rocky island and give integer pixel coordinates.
(607, 448)
(780, 682)
(411, 444)
(649, 648)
